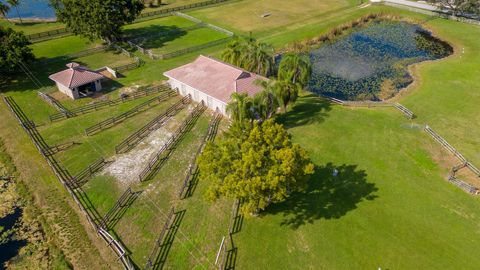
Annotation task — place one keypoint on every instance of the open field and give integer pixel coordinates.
(248, 13)
(390, 201)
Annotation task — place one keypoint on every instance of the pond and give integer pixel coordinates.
(371, 63)
(32, 9)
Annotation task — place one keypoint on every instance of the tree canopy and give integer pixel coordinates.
(259, 166)
(250, 54)
(97, 18)
(13, 49)
(295, 68)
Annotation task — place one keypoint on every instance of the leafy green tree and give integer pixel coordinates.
(4, 8)
(259, 166)
(295, 68)
(240, 107)
(13, 49)
(97, 18)
(250, 54)
(15, 3)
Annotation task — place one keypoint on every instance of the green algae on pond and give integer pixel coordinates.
(371, 63)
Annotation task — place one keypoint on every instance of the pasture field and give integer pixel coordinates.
(390, 201)
(246, 16)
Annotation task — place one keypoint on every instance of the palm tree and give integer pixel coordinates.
(265, 103)
(295, 68)
(4, 10)
(286, 93)
(250, 54)
(233, 52)
(15, 3)
(240, 107)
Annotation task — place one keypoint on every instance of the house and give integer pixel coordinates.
(77, 81)
(212, 81)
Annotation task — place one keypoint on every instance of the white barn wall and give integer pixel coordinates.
(198, 96)
(73, 94)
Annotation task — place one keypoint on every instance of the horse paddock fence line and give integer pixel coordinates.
(131, 141)
(166, 150)
(65, 179)
(113, 121)
(108, 103)
(55, 103)
(370, 104)
(151, 261)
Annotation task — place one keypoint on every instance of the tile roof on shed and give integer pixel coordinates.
(76, 75)
(216, 78)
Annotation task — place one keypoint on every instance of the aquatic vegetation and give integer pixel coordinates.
(371, 63)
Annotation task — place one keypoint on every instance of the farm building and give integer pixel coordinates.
(212, 81)
(77, 81)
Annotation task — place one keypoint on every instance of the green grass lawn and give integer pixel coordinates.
(182, 40)
(390, 201)
(157, 26)
(61, 46)
(283, 13)
(32, 27)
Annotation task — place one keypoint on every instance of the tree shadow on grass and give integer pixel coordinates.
(308, 109)
(326, 197)
(156, 35)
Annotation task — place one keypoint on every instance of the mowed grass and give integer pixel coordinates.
(32, 27)
(389, 201)
(62, 46)
(182, 40)
(246, 16)
(157, 26)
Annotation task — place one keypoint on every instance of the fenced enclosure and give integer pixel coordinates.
(164, 153)
(112, 121)
(227, 251)
(120, 207)
(152, 260)
(371, 104)
(62, 174)
(55, 103)
(107, 103)
(81, 178)
(42, 36)
(192, 171)
(132, 140)
(452, 150)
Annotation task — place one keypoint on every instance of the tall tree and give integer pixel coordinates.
(13, 50)
(250, 54)
(97, 18)
(15, 3)
(286, 92)
(240, 107)
(296, 68)
(259, 167)
(265, 103)
(4, 9)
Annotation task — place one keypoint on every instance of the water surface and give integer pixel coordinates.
(371, 62)
(32, 9)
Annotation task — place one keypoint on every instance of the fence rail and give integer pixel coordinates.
(193, 48)
(404, 110)
(118, 248)
(154, 253)
(167, 11)
(55, 103)
(112, 121)
(192, 167)
(132, 140)
(452, 150)
(78, 195)
(164, 152)
(41, 36)
(82, 177)
(107, 103)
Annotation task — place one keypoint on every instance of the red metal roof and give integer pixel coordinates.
(76, 75)
(216, 78)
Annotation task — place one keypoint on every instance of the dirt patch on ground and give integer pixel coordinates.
(128, 166)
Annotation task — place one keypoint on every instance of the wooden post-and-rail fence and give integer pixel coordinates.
(66, 179)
